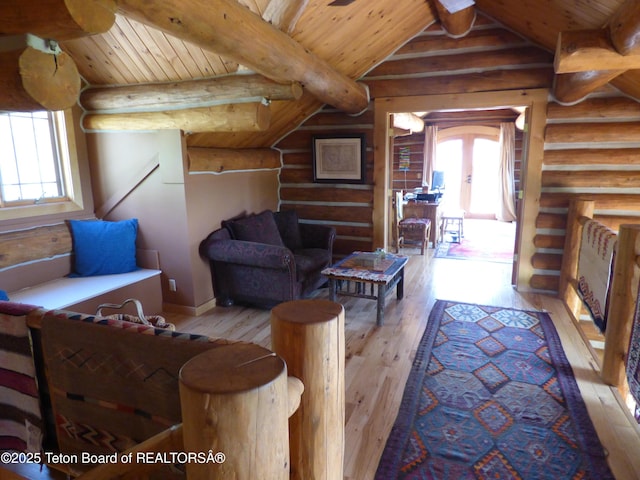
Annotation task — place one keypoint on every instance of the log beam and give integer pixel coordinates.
(219, 160)
(624, 28)
(57, 19)
(284, 14)
(597, 57)
(408, 121)
(34, 80)
(175, 95)
(586, 50)
(227, 28)
(238, 117)
(456, 21)
(571, 88)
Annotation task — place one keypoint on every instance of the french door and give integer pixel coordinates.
(470, 162)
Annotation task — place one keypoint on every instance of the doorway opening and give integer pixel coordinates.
(532, 154)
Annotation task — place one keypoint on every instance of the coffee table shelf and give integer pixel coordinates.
(386, 275)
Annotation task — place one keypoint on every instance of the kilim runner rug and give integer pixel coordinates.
(491, 395)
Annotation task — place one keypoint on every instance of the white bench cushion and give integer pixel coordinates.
(63, 292)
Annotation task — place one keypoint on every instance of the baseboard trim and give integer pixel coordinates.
(187, 310)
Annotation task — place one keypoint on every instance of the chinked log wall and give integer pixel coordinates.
(591, 149)
(431, 63)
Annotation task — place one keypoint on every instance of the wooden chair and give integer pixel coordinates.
(411, 228)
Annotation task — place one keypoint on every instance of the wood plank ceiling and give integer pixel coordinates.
(352, 39)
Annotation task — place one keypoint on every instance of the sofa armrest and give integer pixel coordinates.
(250, 253)
(317, 236)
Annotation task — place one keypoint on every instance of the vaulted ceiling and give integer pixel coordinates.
(316, 54)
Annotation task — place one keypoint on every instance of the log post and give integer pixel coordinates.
(35, 80)
(623, 295)
(309, 336)
(234, 400)
(569, 268)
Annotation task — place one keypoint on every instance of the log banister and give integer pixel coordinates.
(622, 304)
(578, 210)
(239, 400)
(623, 288)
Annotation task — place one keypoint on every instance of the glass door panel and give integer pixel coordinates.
(483, 179)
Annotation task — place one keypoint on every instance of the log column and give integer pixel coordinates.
(234, 400)
(309, 336)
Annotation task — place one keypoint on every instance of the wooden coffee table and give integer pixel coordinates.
(388, 273)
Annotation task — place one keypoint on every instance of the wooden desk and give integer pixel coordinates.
(430, 210)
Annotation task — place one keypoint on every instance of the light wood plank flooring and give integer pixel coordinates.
(378, 360)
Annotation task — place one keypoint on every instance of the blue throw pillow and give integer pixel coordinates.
(3, 296)
(103, 248)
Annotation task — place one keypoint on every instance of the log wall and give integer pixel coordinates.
(592, 149)
(592, 152)
(431, 63)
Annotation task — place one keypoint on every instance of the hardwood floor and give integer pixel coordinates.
(378, 360)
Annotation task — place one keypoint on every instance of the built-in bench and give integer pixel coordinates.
(35, 264)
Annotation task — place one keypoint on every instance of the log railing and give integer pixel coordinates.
(240, 402)
(623, 289)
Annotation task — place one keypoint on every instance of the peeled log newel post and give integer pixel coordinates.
(35, 80)
(309, 336)
(234, 400)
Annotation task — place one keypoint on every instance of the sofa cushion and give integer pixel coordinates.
(259, 228)
(104, 248)
(287, 222)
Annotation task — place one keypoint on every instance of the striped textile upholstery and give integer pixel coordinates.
(20, 410)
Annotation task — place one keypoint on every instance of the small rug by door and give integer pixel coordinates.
(469, 250)
(491, 395)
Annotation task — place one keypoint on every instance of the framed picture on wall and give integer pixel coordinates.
(339, 158)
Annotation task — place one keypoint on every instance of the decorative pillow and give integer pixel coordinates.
(4, 296)
(103, 248)
(287, 222)
(259, 228)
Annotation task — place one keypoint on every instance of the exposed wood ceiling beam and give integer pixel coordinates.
(238, 117)
(284, 14)
(581, 50)
(456, 16)
(191, 93)
(571, 88)
(408, 121)
(595, 57)
(33, 78)
(624, 28)
(57, 19)
(219, 160)
(229, 29)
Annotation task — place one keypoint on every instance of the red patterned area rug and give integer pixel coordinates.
(491, 395)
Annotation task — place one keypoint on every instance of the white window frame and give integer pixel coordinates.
(70, 172)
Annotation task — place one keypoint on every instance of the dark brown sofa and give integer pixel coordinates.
(267, 258)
